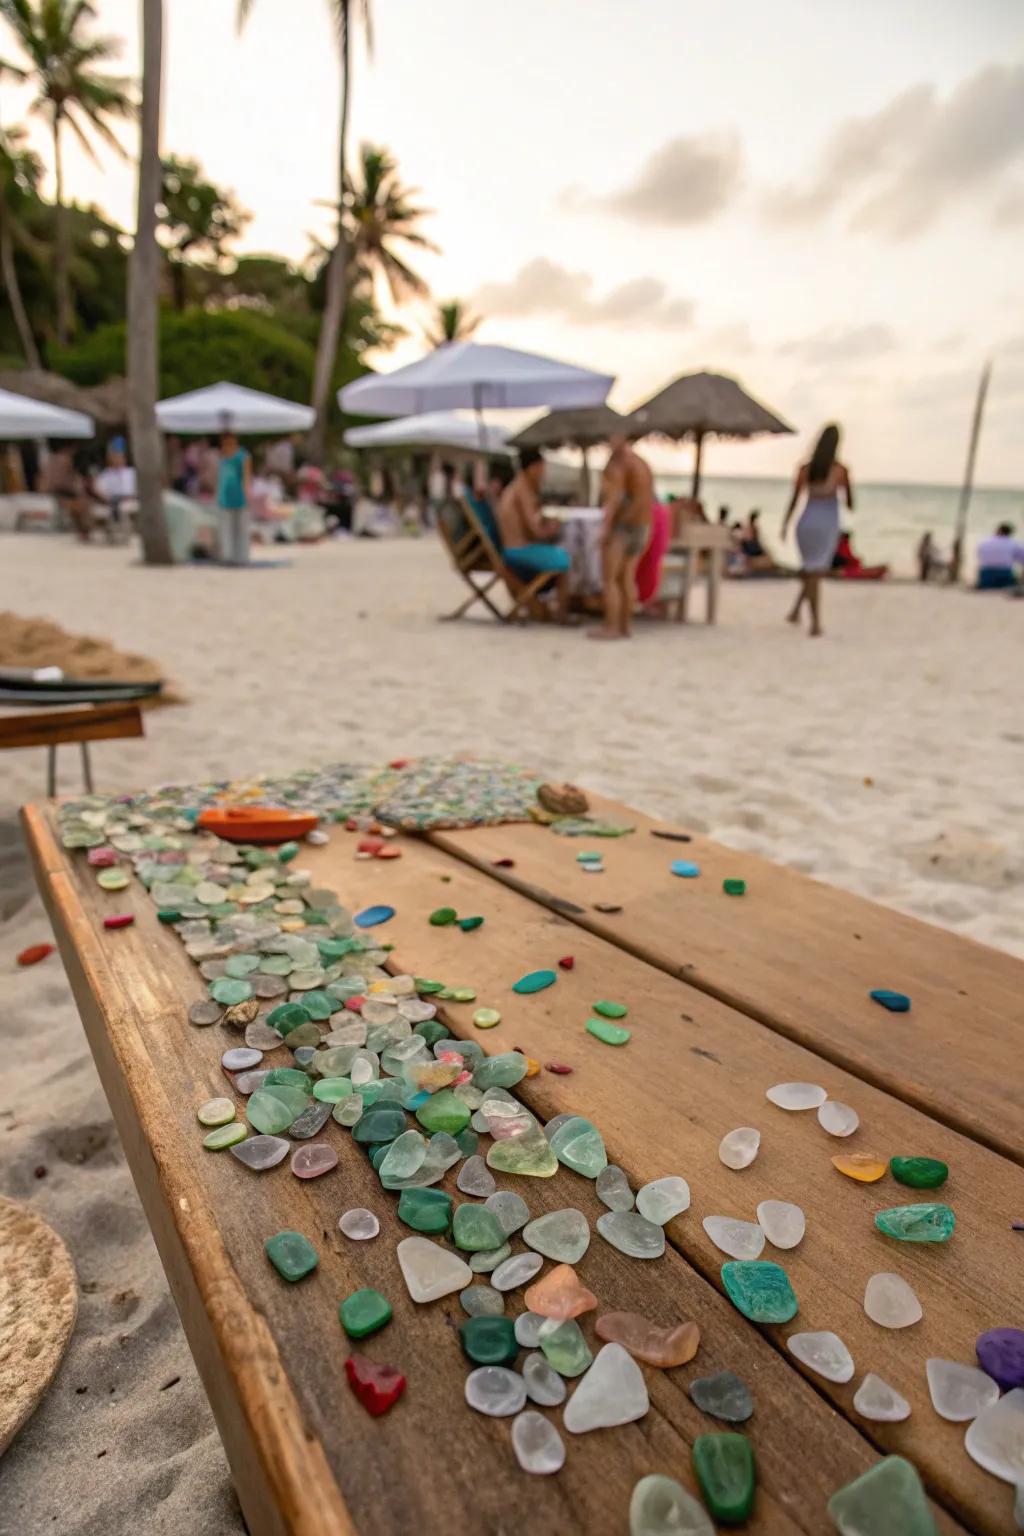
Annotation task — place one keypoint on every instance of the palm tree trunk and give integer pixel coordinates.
(143, 302)
(65, 318)
(337, 274)
(10, 277)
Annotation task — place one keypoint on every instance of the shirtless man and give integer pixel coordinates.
(528, 538)
(627, 491)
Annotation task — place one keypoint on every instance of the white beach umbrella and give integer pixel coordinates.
(232, 408)
(468, 375)
(436, 429)
(22, 417)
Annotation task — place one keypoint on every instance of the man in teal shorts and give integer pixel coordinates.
(528, 538)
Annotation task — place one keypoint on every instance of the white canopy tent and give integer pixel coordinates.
(21, 417)
(436, 429)
(232, 408)
(467, 375)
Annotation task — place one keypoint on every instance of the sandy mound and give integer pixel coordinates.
(41, 643)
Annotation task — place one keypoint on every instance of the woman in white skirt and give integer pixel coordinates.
(822, 479)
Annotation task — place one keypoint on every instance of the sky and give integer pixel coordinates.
(824, 199)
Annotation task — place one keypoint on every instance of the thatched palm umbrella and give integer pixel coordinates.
(583, 429)
(703, 405)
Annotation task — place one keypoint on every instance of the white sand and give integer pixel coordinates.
(886, 758)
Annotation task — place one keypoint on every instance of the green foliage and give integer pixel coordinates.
(196, 221)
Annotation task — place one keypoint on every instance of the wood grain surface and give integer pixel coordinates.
(305, 1455)
(800, 956)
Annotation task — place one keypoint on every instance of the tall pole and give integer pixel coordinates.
(964, 506)
(144, 301)
(698, 448)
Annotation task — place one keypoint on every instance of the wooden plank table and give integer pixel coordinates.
(304, 1455)
(797, 955)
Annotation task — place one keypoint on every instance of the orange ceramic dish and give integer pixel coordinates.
(257, 823)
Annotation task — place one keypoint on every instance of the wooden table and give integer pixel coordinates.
(305, 1456)
(693, 541)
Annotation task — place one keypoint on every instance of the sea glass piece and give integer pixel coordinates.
(560, 1295)
(475, 1178)
(580, 1146)
(609, 1033)
(686, 869)
(529, 1155)
(228, 991)
(510, 1210)
(535, 981)
(364, 1312)
(865, 1167)
(240, 1058)
(782, 1222)
(503, 1071)
(632, 1233)
(291, 1254)
(917, 1223)
(724, 1465)
(608, 1010)
(206, 1012)
(724, 1396)
(543, 1385)
(565, 1348)
(824, 1353)
(738, 1148)
(425, 1210)
(309, 1162)
(561, 1235)
(537, 1444)
(404, 1156)
(612, 1392)
(225, 1136)
(348, 1111)
(485, 1260)
(444, 1112)
(311, 1122)
(373, 917)
(516, 1271)
(482, 1301)
(919, 1172)
(647, 1341)
(895, 1002)
(267, 1114)
(959, 1392)
(1001, 1354)
(838, 1119)
(760, 1290)
(261, 1037)
(495, 1390)
(797, 1095)
(887, 1500)
(528, 1326)
(215, 1112)
(660, 1506)
(891, 1302)
(663, 1199)
(995, 1440)
(378, 1387)
(261, 1152)
(613, 1189)
(474, 1227)
(379, 1124)
(430, 1271)
(874, 1399)
(489, 1339)
(359, 1224)
(739, 1239)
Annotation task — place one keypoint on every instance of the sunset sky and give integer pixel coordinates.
(824, 198)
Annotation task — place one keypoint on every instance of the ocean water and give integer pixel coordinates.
(887, 521)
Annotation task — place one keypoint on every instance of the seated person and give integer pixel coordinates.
(757, 560)
(1000, 559)
(528, 538)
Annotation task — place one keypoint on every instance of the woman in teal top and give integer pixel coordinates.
(234, 473)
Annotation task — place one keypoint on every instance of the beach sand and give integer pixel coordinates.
(886, 758)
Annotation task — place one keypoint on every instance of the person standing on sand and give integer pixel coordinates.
(627, 497)
(817, 531)
(234, 480)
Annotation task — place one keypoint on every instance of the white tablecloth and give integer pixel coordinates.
(581, 539)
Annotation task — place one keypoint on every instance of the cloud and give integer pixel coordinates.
(543, 287)
(896, 170)
(686, 181)
(828, 348)
(1009, 210)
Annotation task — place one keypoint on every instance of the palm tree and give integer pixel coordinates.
(20, 173)
(337, 270)
(451, 321)
(63, 60)
(197, 219)
(144, 300)
(379, 212)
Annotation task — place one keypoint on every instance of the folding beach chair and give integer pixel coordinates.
(474, 551)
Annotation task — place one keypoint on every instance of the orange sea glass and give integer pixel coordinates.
(560, 1294)
(648, 1341)
(865, 1167)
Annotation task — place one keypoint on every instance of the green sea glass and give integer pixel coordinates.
(887, 1500)
(919, 1172)
(291, 1254)
(489, 1340)
(364, 1312)
(564, 1348)
(579, 1145)
(611, 1034)
(917, 1223)
(425, 1210)
(444, 1112)
(476, 1228)
(724, 1464)
(530, 1155)
(760, 1290)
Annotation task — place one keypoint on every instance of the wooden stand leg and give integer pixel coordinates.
(683, 610)
(86, 766)
(51, 771)
(714, 583)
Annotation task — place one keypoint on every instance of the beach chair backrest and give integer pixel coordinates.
(484, 526)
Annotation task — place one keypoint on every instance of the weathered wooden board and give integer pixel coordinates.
(696, 1069)
(271, 1355)
(800, 956)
